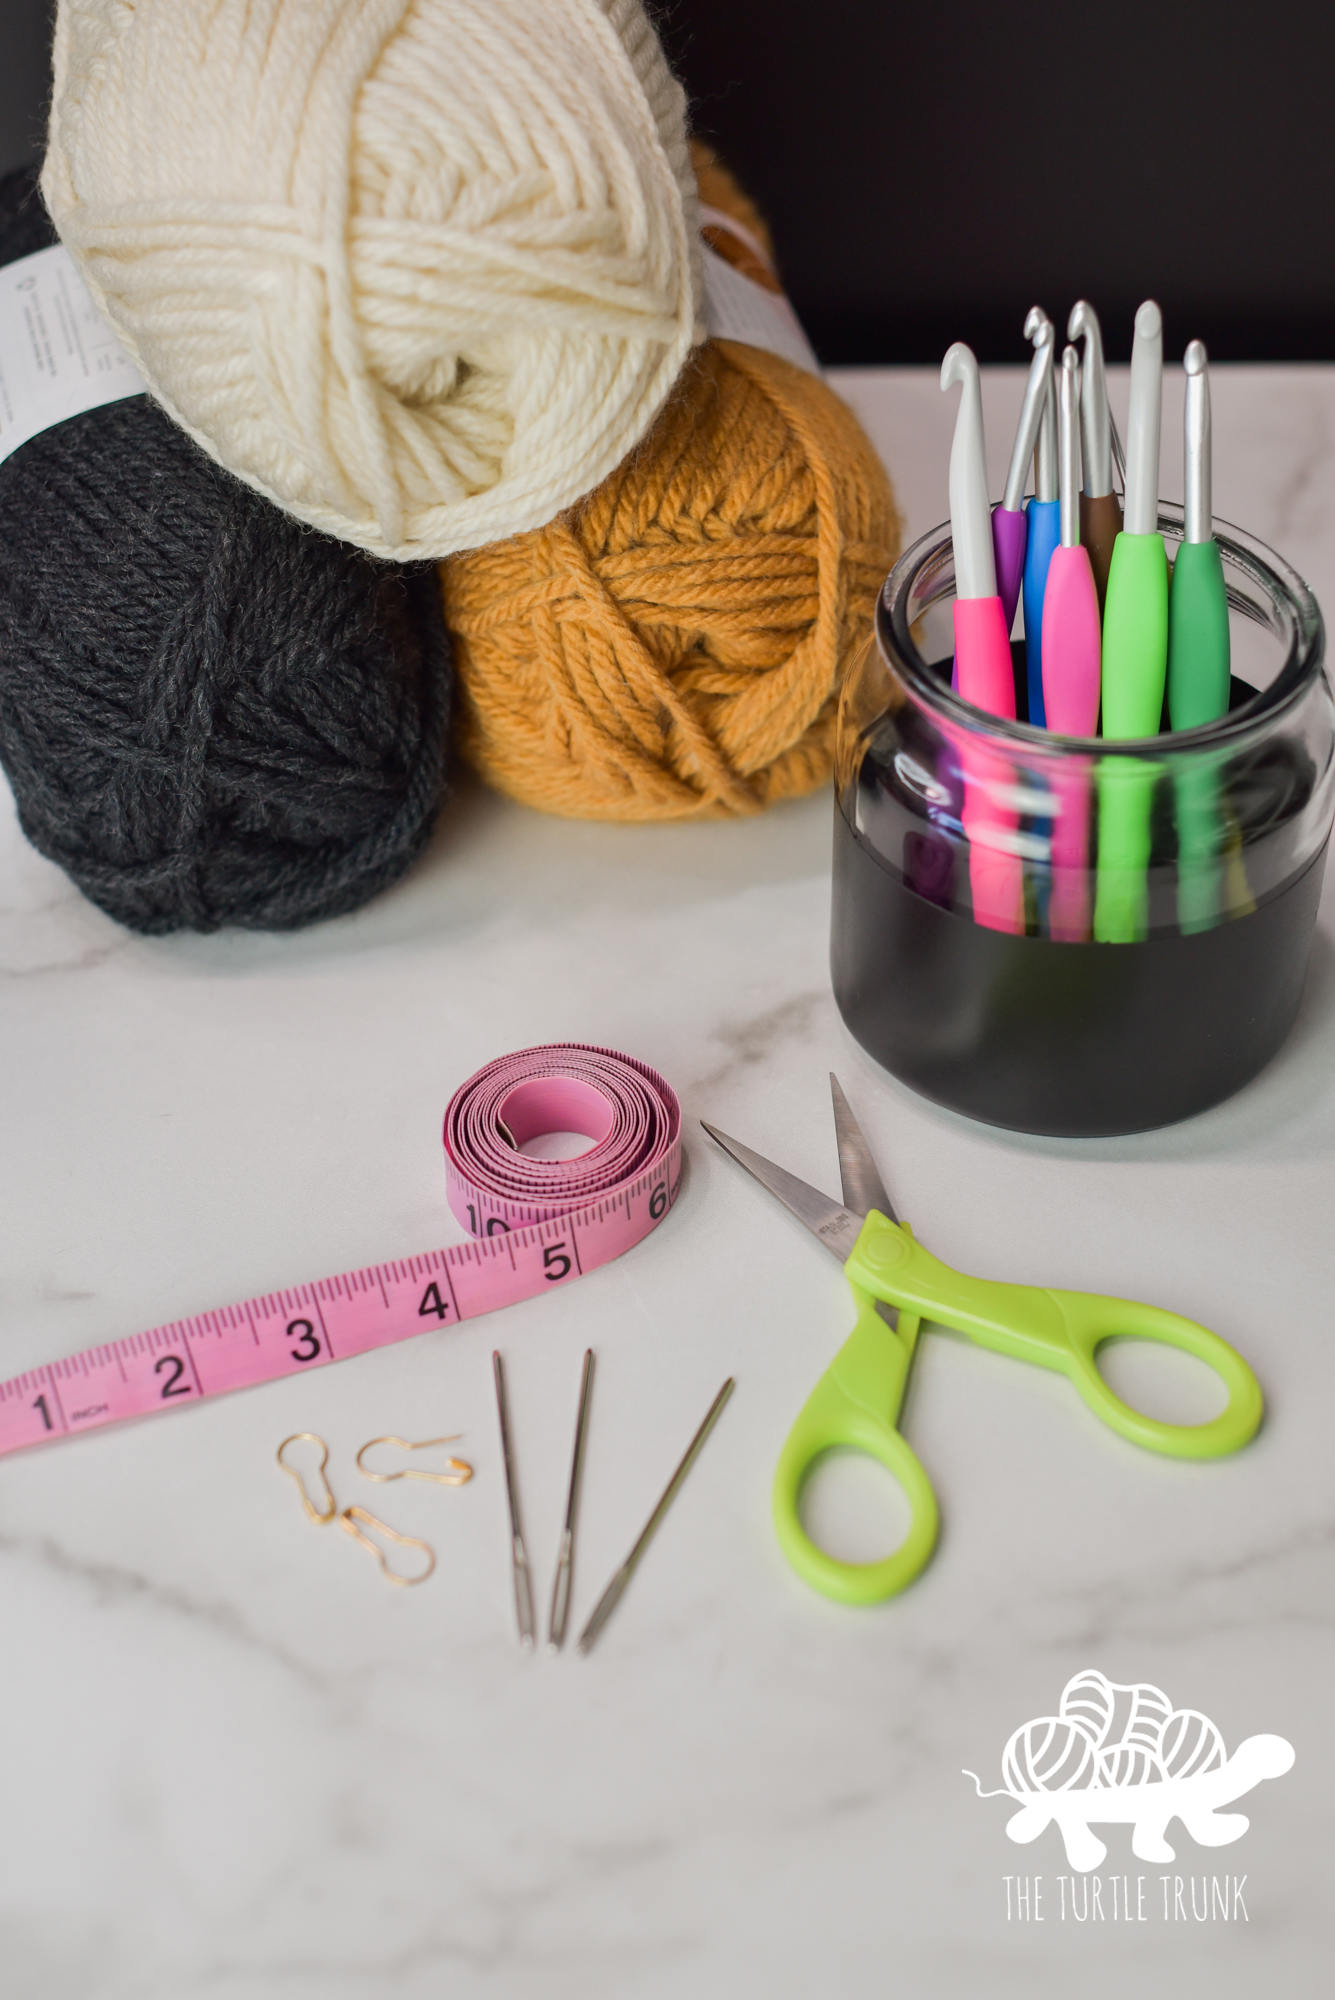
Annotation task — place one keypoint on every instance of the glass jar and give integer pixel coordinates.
(1078, 935)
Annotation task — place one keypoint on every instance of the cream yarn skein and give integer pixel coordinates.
(420, 271)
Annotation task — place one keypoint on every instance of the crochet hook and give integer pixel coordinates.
(1009, 521)
(982, 640)
(611, 1597)
(1071, 661)
(983, 661)
(1198, 664)
(1198, 643)
(1135, 617)
(1100, 513)
(560, 1611)
(1135, 654)
(1044, 518)
(1071, 637)
(518, 1558)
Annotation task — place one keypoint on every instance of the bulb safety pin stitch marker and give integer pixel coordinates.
(535, 1224)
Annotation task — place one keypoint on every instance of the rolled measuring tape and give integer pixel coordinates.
(536, 1223)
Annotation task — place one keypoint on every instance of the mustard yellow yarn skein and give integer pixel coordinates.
(421, 272)
(672, 647)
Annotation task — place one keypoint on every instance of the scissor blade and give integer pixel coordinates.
(862, 1183)
(836, 1226)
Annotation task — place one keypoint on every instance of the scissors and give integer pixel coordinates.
(896, 1284)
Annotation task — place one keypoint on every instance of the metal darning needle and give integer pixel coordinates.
(610, 1598)
(560, 1611)
(523, 1585)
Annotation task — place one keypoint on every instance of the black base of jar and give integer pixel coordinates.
(1071, 1040)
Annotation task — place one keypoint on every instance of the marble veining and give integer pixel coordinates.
(237, 1766)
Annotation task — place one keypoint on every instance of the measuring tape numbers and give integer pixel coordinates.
(535, 1223)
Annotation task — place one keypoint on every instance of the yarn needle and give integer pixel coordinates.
(560, 1611)
(611, 1597)
(518, 1558)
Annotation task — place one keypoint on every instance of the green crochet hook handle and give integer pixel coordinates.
(1061, 1330)
(855, 1406)
(1135, 636)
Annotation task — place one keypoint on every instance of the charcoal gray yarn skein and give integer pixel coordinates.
(209, 714)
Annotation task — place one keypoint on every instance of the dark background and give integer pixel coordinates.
(931, 170)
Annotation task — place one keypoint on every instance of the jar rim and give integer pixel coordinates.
(925, 574)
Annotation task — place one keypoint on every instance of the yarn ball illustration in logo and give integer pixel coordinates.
(1117, 1752)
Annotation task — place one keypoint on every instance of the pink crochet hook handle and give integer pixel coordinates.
(1071, 644)
(983, 662)
(982, 635)
(989, 819)
(1072, 635)
(1069, 915)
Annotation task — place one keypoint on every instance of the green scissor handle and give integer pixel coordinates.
(856, 1403)
(1062, 1330)
(855, 1406)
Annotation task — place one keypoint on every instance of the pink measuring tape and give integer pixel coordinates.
(535, 1223)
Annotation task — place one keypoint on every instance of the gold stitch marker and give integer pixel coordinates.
(348, 1520)
(459, 1474)
(317, 1515)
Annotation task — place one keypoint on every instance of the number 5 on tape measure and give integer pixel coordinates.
(537, 1223)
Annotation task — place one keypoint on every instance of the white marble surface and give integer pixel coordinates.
(234, 1763)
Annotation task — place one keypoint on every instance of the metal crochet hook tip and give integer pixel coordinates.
(1031, 413)
(560, 1610)
(518, 1559)
(1097, 430)
(1141, 509)
(611, 1597)
(1198, 511)
(1068, 447)
(970, 513)
(1037, 326)
(1039, 329)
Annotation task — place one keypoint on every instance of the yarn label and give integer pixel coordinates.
(743, 298)
(58, 356)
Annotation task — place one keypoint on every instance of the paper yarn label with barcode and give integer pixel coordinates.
(58, 356)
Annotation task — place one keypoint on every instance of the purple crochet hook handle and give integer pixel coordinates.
(1009, 532)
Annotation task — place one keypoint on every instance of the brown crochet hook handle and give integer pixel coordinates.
(1100, 525)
